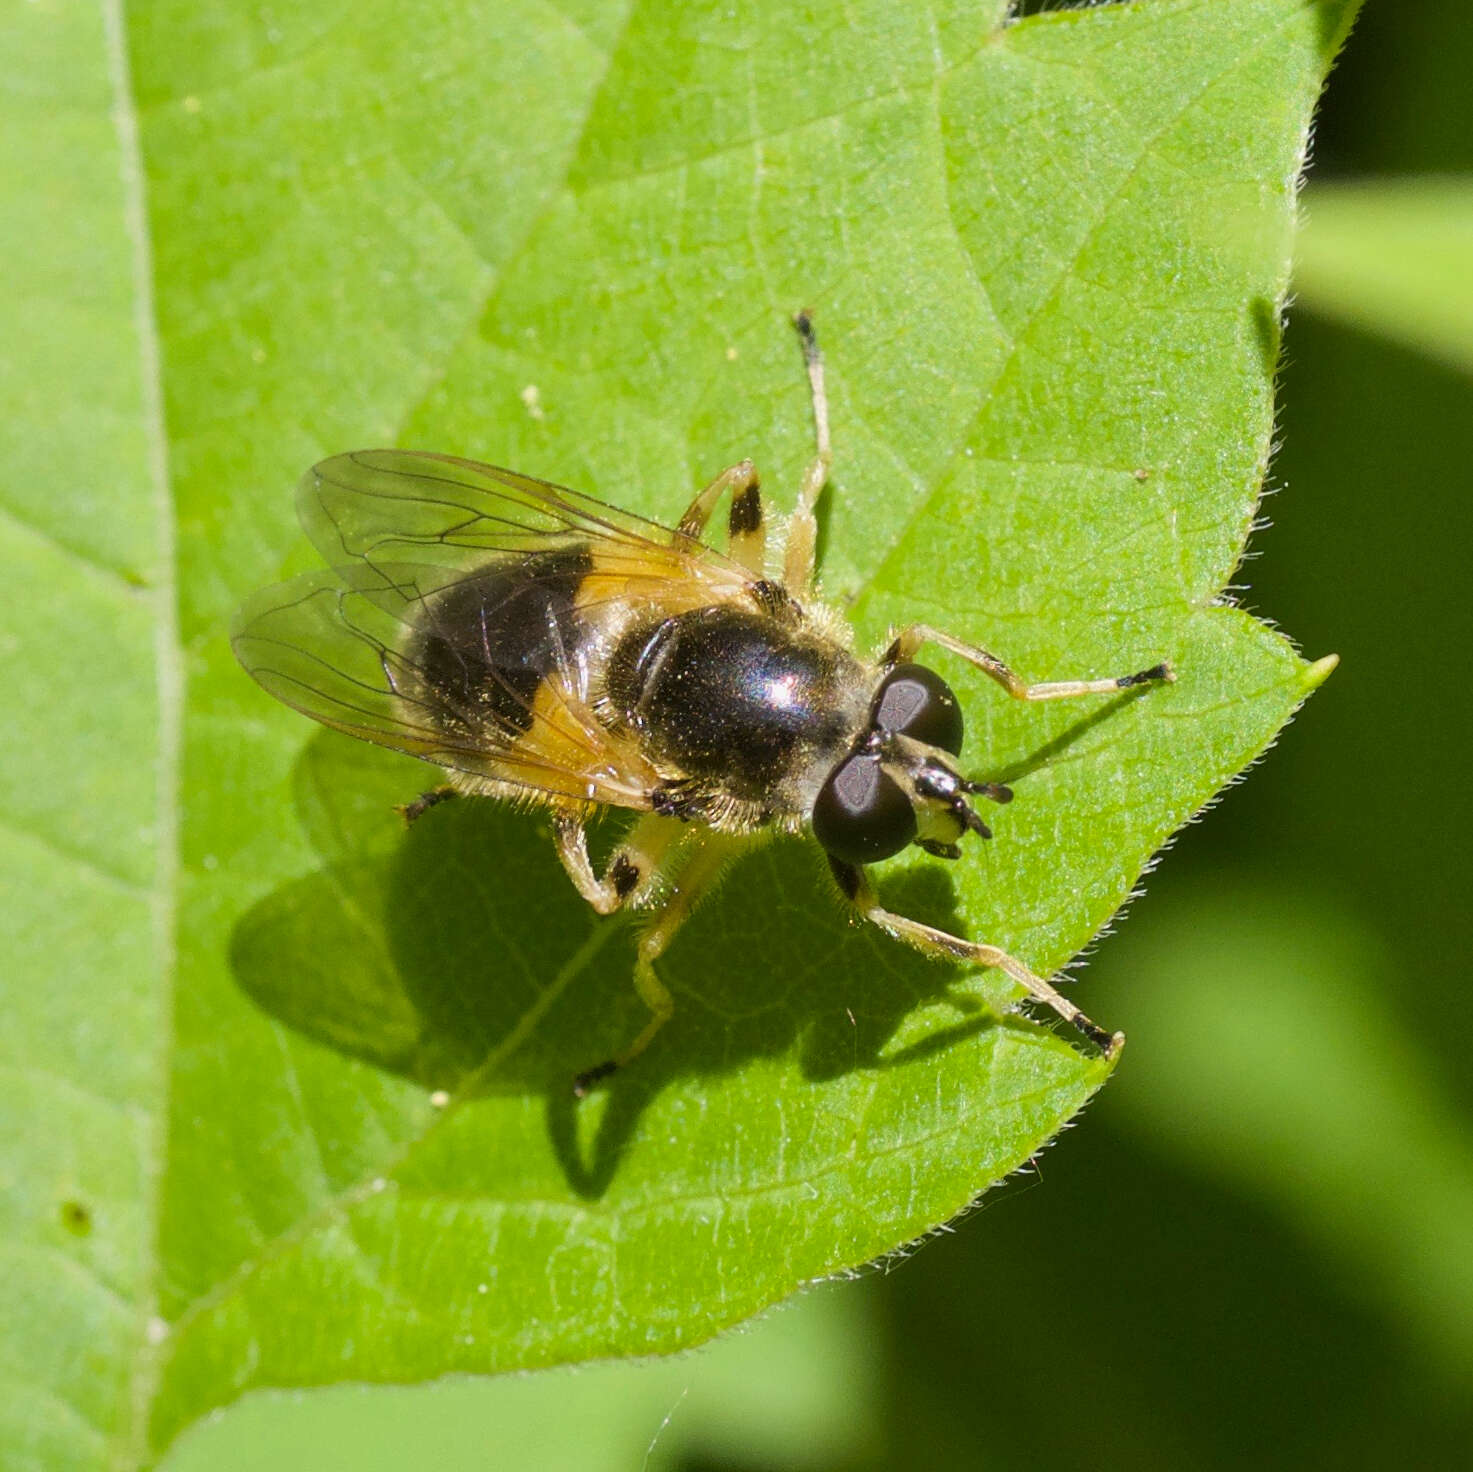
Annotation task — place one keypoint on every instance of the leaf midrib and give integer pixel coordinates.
(128, 1444)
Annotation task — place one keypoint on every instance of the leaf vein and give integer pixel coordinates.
(74, 858)
(535, 218)
(115, 576)
(336, 1207)
(1035, 315)
(14, 1389)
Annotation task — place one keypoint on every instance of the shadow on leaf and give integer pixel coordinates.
(1071, 736)
(457, 954)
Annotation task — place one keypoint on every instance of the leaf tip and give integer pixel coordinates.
(1320, 671)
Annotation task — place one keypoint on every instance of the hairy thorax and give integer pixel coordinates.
(752, 711)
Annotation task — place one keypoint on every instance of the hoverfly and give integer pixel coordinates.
(541, 646)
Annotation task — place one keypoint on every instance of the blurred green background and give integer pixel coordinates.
(1263, 1236)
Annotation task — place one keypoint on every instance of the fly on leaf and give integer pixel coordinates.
(542, 647)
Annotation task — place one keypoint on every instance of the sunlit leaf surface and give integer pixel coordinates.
(570, 240)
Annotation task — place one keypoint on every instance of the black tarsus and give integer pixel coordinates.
(585, 1081)
(1152, 676)
(1104, 1041)
(411, 811)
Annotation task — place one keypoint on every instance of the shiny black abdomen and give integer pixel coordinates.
(735, 699)
(485, 643)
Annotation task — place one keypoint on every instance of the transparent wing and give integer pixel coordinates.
(344, 646)
(413, 506)
(404, 533)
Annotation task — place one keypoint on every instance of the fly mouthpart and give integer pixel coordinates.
(969, 820)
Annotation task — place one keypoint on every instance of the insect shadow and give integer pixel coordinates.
(457, 955)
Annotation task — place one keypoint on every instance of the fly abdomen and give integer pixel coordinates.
(734, 699)
(485, 643)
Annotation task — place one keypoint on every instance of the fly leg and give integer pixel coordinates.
(628, 880)
(630, 871)
(798, 552)
(745, 525)
(412, 811)
(910, 639)
(856, 888)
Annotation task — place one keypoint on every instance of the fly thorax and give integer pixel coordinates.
(737, 701)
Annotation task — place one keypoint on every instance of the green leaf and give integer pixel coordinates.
(801, 1389)
(1392, 258)
(294, 1085)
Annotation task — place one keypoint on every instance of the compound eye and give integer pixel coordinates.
(917, 702)
(862, 815)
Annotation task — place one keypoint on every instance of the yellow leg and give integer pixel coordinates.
(702, 867)
(910, 639)
(857, 889)
(798, 552)
(630, 870)
(746, 527)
